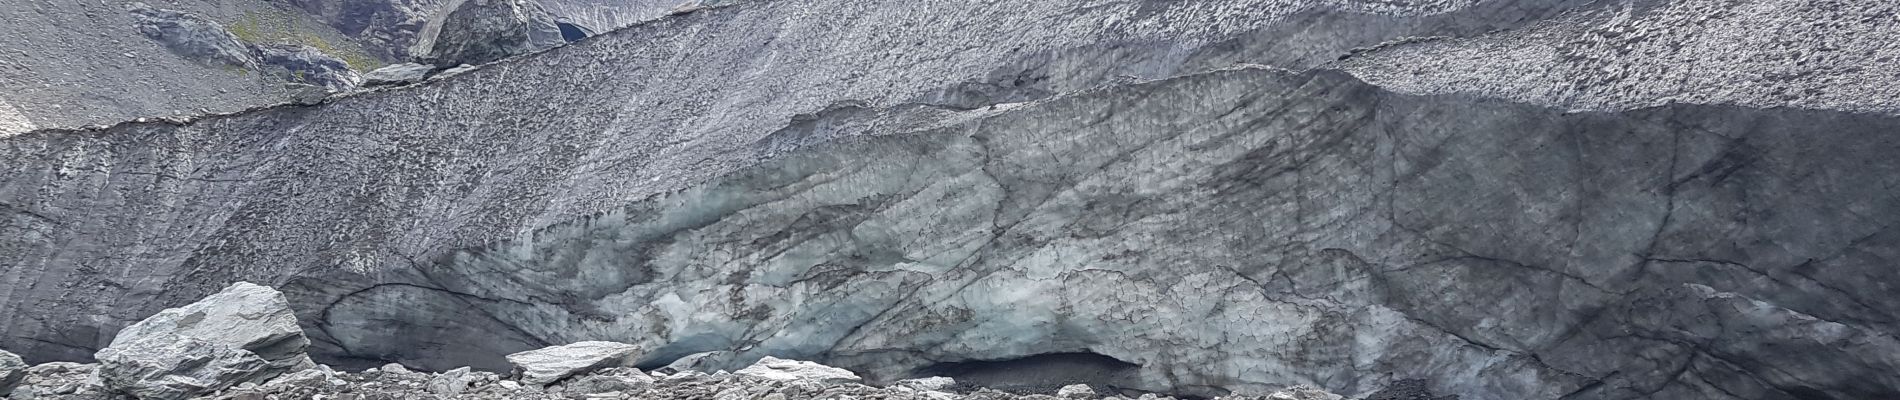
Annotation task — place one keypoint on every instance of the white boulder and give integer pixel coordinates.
(245, 333)
(794, 370)
(547, 365)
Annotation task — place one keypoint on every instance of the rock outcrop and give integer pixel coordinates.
(245, 333)
(12, 369)
(898, 187)
(393, 27)
(193, 37)
(548, 365)
(398, 74)
(207, 41)
(474, 32)
(795, 370)
(307, 65)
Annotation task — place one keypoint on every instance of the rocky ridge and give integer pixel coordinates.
(1202, 228)
(74, 63)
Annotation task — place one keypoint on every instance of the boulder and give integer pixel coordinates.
(702, 362)
(544, 29)
(453, 71)
(475, 32)
(398, 74)
(1303, 392)
(1407, 389)
(303, 384)
(935, 383)
(608, 380)
(308, 65)
(451, 383)
(192, 37)
(12, 369)
(794, 370)
(386, 27)
(1076, 391)
(60, 380)
(394, 368)
(547, 365)
(245, 333)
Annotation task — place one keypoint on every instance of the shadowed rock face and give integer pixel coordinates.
(794, 189)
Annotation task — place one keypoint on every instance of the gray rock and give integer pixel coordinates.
(245, 333)
(388, 27)
(1303, 393)
(475, 32)
(308, 65)
(607, 380)
(452, 382)
(544, 28)
(12, 370)
(394, 368)
(397, 74)
(320, 375)
(391, 27)
(62, 380)
(793, 370)
(192, 37)
(453, 71)
(706, 362)
(1079, 391)
(935, 383)
(547, 365)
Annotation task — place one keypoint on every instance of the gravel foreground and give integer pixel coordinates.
(65, 380)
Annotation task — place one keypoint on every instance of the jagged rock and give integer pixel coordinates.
(397, 74)
(391, 27)
(12, 370)
(544, 29)
(935, 383)
(63, 381)
(685, 376)
(547, 365)
(394, 368)
(308, 65)
(453, 71)
(607, 380)
(706, 362)
(12, 122)
(1077, 391)
(192, 37)
(245, 333)
(475, 32)
(388, 27)
(452, 382)
(794, 370)
(1303, 393)
(1407, 389)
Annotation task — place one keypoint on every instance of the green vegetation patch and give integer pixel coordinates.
(261, 27)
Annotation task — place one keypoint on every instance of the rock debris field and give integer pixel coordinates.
(243, 344)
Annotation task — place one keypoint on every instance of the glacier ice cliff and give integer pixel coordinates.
(914, 186)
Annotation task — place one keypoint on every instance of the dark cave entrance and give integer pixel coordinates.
(1038, 374)
(571, 32)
